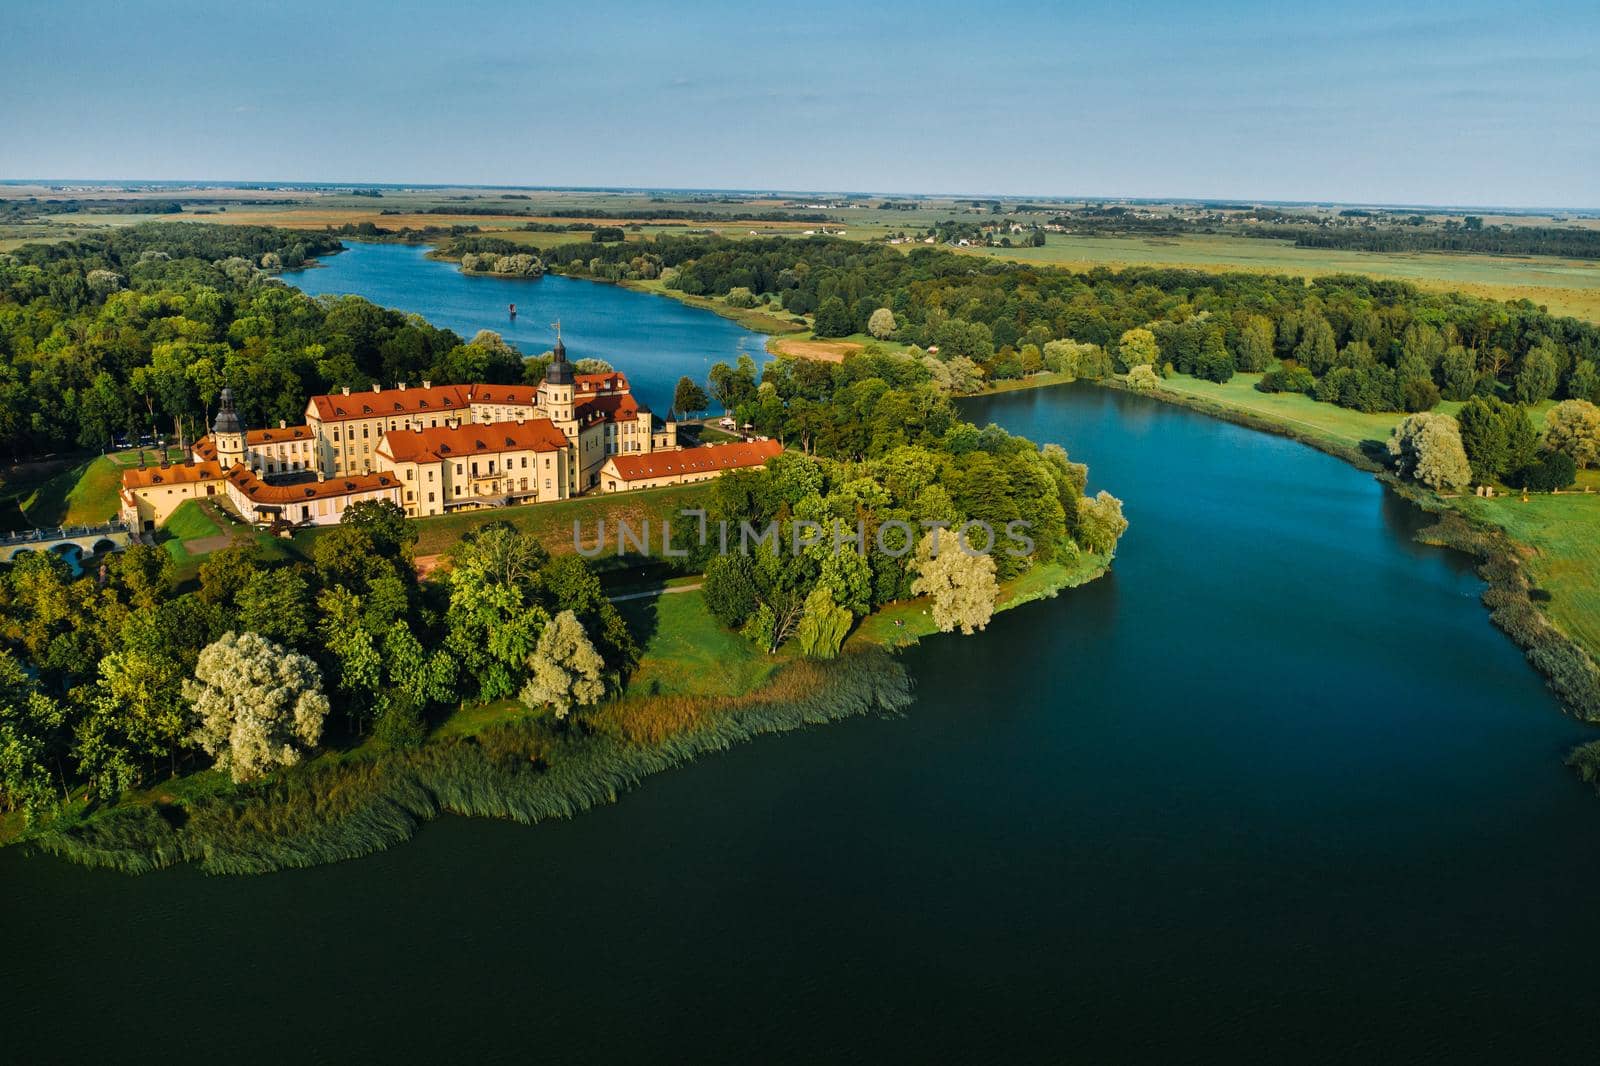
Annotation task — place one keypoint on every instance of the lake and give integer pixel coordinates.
(1273, 789)
(655, 341)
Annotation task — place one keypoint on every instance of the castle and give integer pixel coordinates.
(432, 450)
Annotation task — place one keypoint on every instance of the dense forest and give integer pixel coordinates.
(1570, 242)
(139, 328)
(1362, 342)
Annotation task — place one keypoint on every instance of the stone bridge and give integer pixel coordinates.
(87, 539)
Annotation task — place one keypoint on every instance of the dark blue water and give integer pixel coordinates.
(1273, 791)
(653, 341)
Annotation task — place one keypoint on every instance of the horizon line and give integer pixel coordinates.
(245, 183)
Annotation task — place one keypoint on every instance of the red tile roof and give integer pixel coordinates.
(261, 492)
(611, 381)
(612, 408)
(703, 459)
(473, 438)
(527, 395)
(338, 407)
(172, 474)
(276, 436)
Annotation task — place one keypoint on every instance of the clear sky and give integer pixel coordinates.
(1466, 103)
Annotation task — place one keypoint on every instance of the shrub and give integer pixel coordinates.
(1289, 377)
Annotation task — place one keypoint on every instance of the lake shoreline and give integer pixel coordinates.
(1566, 665)
(521, 767)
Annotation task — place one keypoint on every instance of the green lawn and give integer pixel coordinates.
(552, 522)
(916, 620)
(1564, 531)
(687, 652)
(1330, 422)
(52, 494)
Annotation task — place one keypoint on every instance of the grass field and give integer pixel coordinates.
(1565, 286)
(1569, 287)
(909, 621)
(1329, 422)
(686, 652)
(1564, 532)
(54, 493)
(552, 522)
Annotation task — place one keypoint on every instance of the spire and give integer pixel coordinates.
(559, 371)
(227, 419)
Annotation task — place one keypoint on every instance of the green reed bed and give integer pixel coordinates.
(527, 771)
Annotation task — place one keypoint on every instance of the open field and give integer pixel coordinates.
(552, 523)
(1565, 286)
(1564, 533)
(686, 652)
(827, 351)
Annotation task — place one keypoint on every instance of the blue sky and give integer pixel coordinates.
(1463, 103)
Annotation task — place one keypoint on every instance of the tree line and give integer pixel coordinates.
(113, 679)
(139, 328)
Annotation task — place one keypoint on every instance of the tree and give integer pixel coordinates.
(1427, 447)
(1214, 366)
(565, 668)
(1136, 347)
(740, 296)
(1100, 523)
(1316, 349)
(881, 323)
(1551, 474)
(139, 691)
(833, 319)
(1573, 426)
(1536, 380)
(1253, 351)
(1142, 376)
(28, 719)
(1584, 382)
(277, 605)
(1498, 438)
(689, 397)
(145, 573)
(823, 627)
(962, 585)
(260, 705)
(1459, 369)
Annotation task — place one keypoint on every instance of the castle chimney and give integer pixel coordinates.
(377, 387)
(345, 390)
(402, 386)
(282, 424)
(427, 384)
(321, 477)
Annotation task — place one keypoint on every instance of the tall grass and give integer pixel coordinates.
(527, 771)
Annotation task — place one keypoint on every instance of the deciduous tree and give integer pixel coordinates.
(260, 705)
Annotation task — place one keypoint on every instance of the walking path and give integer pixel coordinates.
(650, 593)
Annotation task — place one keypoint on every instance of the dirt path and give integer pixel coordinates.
(651, 593)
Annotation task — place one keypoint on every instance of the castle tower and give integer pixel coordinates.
(555, 393)
(227, 432)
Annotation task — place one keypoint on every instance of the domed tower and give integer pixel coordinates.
(557, 388)
(227, 432)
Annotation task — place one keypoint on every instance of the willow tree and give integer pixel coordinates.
(565, 669)
(260, 705)
(962, 584)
